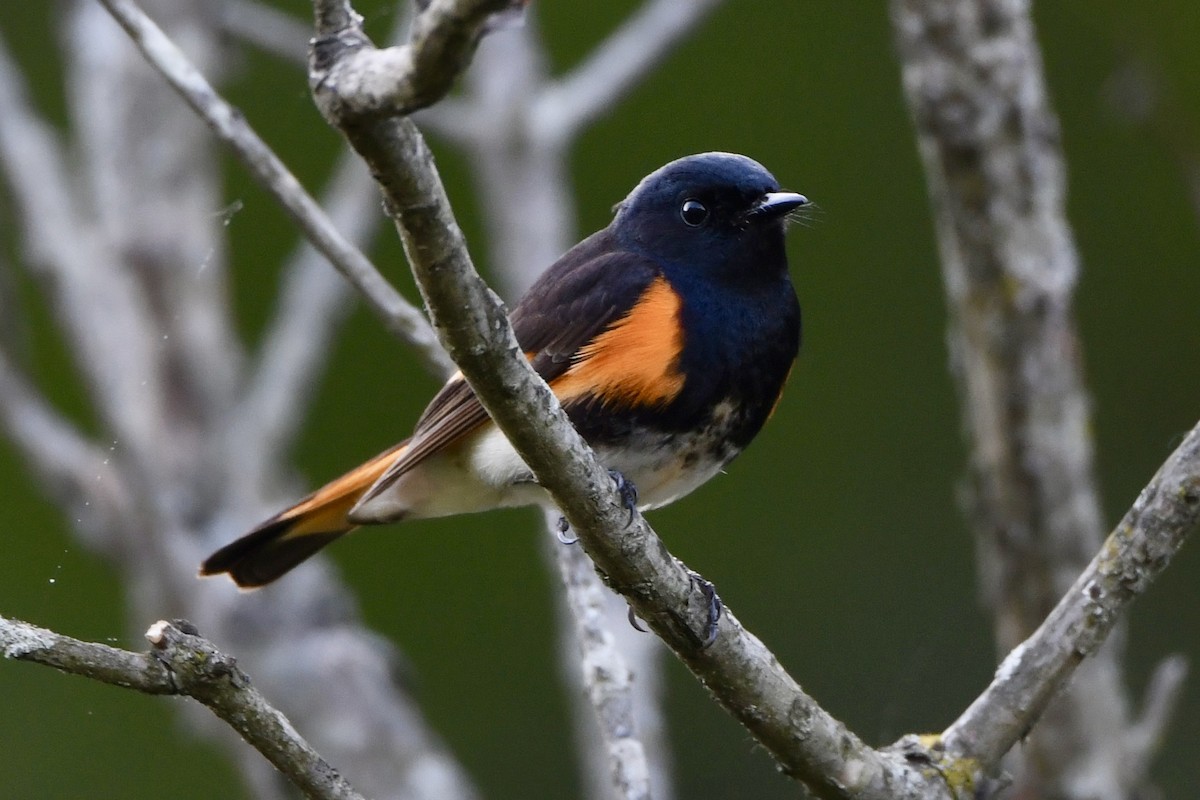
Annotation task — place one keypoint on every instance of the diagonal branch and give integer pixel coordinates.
(184, 663)
(745, 677)
(399, 317)
(313, 301)
(640, 44)
(65, 461)
(990, 143)
(742, 674)
(606, 675)
(1135, 554)
(508, 122)
(267, 28)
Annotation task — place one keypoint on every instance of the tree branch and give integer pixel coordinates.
(743, 675)
(746, 679)
(990, 143)
(269, 29)
(67, 463)
(184, 663)
(97, 305)
(627, 55)
(522, 178)
(313, 301)
(35, 166)
(606, 676)
(399, 317)
(1135, 554)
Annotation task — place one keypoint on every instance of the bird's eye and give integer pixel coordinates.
(693, 212)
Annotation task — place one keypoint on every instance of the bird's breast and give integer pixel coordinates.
(665, 465)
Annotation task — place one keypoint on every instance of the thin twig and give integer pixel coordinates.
(312, 304)
(990, 143)
(606, 675)
(399, 317)
(624, 58)
(1134, 555)
(184, 663)
(269, 29)
(95, 302)
(75, 472)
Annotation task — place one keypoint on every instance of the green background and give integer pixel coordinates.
(836, 538)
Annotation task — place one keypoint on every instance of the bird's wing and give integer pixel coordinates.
(578, 325)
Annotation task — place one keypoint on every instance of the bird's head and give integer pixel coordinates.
(716, 211)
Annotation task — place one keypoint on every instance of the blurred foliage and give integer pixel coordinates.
(836, 538)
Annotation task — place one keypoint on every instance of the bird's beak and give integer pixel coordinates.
(773, 205)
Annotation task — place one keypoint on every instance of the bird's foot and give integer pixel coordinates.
(628, 492)
(715, 607)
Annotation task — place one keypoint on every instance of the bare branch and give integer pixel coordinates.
(1158, 708)
(405, 78)
(522, 179)
(267, 28)
(97, 304)
(624, 58)
(606, 675)
(35, 167)
(990, 143)
(1135, 554)
(399, 317)
(184, 663)
(313, 301)
(746, 679)
(75, 472)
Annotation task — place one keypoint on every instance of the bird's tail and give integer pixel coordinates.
(294, 534)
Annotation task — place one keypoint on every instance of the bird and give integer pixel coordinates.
(667, 337)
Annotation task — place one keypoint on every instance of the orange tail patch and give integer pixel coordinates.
(294, 534)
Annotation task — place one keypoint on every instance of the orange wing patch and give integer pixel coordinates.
(635, 360)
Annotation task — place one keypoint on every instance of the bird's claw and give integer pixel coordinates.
(628, 492)
(634, 623)
(714, 609)
(561, 529)
(715, 606)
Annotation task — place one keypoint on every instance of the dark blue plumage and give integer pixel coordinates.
(667, 337)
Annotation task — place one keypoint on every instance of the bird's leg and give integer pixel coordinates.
(628, 492)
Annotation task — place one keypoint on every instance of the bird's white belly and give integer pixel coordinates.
(663, 466)
(486, 472)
